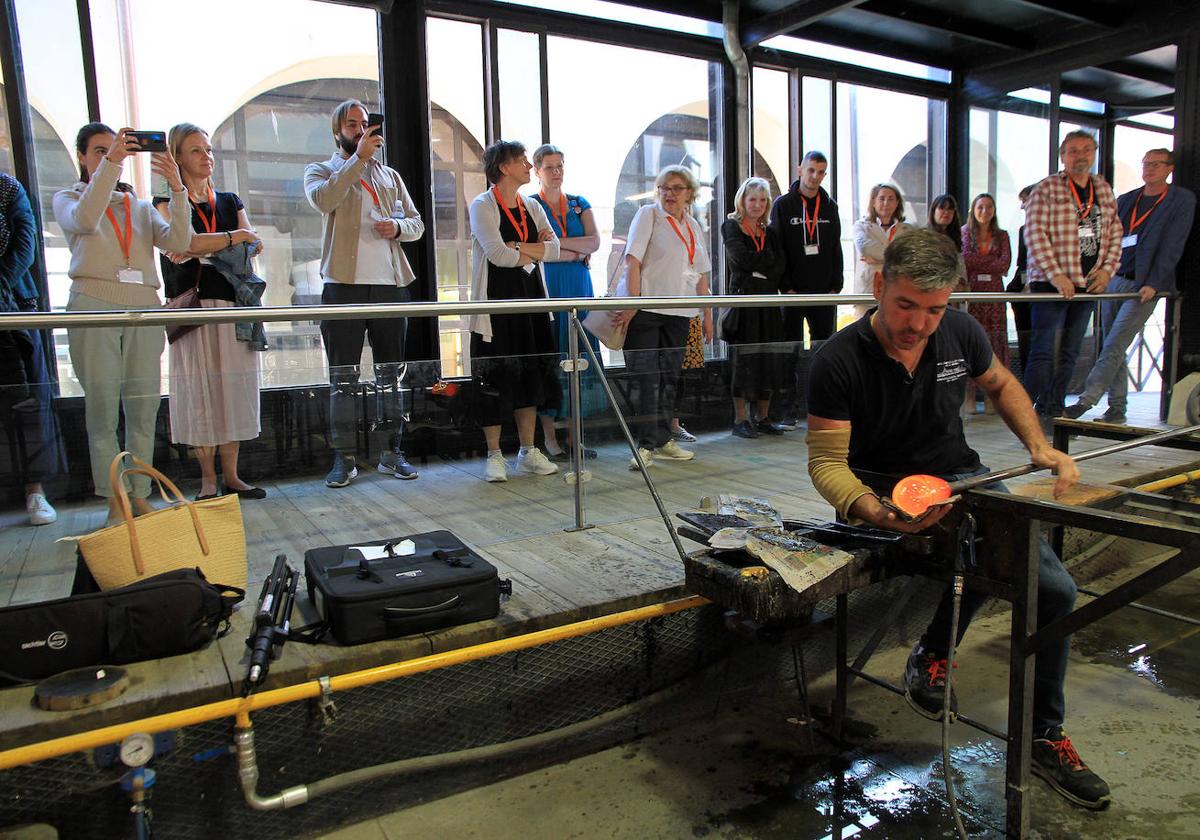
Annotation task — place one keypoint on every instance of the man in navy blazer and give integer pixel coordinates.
(1156, 219)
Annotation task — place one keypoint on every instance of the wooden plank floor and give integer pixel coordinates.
(627, 559)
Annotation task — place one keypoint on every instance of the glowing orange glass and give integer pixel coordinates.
(918, 493)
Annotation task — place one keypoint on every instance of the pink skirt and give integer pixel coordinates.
(214, 385)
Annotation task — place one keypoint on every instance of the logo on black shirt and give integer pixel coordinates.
(951, 370)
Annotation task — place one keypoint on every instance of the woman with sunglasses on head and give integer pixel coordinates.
(112, 235)
(214, 378)
(664, 257)
(568, 277)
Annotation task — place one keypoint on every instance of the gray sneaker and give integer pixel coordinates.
(394, 463)
(342, 472)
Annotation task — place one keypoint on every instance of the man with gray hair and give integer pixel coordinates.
(884, 397)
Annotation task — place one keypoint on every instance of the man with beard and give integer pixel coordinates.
(884, 398)
(806, 221)
(366, 213)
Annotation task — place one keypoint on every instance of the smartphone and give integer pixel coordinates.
(150, 141)
(374, 120)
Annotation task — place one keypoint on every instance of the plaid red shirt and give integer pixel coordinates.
(1052, 231)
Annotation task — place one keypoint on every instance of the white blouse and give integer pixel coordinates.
(664, 257)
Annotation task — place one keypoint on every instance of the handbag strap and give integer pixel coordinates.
(614, 279)
(116, 475)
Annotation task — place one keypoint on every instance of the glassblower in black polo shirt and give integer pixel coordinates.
(884, 399)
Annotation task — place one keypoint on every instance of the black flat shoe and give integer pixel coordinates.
(200, 497)
(251, 493)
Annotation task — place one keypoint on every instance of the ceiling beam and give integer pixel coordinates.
(790, 18)
(1152, 28)
(968, 28)
(1081, 11)
(1137, 70)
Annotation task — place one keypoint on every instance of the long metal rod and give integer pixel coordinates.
(241, 707)
(637, 456)
(1135, 605)
(576, 416)
(1012, 472)
(895, 689)
(268, 314)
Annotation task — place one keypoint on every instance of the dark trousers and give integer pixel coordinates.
(1057, 336)
(343, 348)
(654, 357)
(822, 320)
(1055, 598)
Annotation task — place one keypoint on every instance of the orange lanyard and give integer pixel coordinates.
(985, 245)
(126, 238)
(210, 225)
(689, 243)
(371, 190)
(522, 228)
(759, 240)
(1084, 212)
(810, 220)
(1135, 220)
(562, 210)
(892, 231)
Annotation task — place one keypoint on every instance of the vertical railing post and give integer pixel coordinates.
(576, 366)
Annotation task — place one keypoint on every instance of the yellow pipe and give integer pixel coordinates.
(1169, 481)
(241, 707)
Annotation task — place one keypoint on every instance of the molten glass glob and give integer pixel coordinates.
(918, 493)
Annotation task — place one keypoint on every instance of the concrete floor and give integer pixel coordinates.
(1133, 696)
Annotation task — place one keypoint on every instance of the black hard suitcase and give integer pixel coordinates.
(442, 584)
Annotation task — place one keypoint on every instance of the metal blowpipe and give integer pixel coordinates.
(917, 493)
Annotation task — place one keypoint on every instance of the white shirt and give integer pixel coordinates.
(664, 257)
(373, 266)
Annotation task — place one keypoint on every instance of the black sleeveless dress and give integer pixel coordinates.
(519, 366)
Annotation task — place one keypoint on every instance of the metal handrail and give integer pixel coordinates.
(265, 314)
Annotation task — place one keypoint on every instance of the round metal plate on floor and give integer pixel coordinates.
(81, 688)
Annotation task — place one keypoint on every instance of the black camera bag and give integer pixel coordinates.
(175, 612)
(443, 583)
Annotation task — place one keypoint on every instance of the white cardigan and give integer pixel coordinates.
(487, 246)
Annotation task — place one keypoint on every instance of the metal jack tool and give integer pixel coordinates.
(272, 622)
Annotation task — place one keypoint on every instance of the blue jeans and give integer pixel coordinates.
(1058, 330)
(1122, 320)
(1056, 598)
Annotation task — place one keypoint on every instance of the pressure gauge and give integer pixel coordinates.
(137, 749)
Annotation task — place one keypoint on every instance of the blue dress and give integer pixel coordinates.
(573, 280)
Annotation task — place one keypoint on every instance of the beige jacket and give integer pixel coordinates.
(333, 188)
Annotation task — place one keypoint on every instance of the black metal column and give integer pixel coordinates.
(1020, 681)
(842, 671)
(405, 84)
(1187, 173)
(958, 145)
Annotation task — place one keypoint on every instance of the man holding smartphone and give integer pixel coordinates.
(366, 213)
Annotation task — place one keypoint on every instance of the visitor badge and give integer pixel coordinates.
(983, 278)
(130, 275)
(758, 275)
(691, 276)
(1087, 233)
(529, 268)
(812, 250)
(1129, 241)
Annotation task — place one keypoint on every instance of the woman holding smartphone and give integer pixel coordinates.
(214, 378)
(112, 235)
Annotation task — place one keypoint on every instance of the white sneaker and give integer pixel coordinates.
(647, 458)
(40, 511)
(672, 451)
(535, 462)
(496, 469)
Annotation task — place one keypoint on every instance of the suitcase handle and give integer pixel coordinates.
(399, 612)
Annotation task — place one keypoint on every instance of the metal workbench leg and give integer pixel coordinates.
(801, 675)
(1020, 681)
(839, 699)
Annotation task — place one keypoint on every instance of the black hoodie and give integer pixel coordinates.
(819, 273)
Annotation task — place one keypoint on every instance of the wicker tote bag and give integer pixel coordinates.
(207, 534)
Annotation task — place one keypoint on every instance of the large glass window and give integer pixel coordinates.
(1008, 153)
(520, 87)
(268, 116)
(885, 136)
(816, 124)
(772, 140)
(1129, 147)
